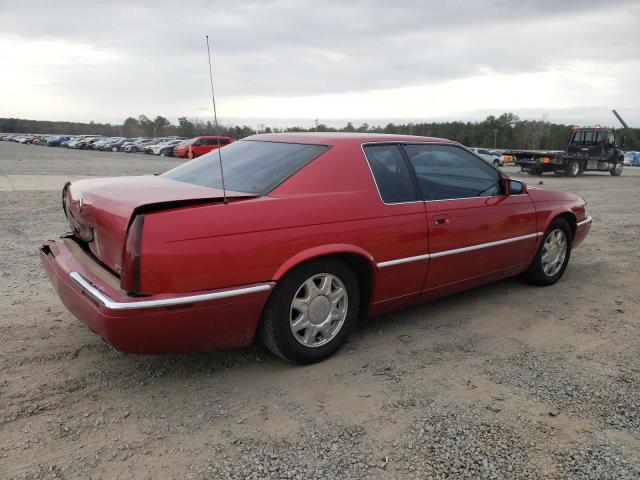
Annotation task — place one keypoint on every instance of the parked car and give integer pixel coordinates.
(200, 145)
(632, 159)
(164, 148)
(491, 156)
(57, 140)
(115, 144)
(83, 142)
(294, 250)
(138, 145)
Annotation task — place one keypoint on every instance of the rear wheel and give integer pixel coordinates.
(572, 168)
(552, 257)
(616, 171)
(311, 312)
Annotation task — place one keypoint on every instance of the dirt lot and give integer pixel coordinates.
(505, 381)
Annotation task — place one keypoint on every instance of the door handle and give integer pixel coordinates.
(441, 219)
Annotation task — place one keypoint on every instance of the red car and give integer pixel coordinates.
(200, 146)
(315, 231)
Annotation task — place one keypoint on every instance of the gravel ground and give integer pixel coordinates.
(504, 381)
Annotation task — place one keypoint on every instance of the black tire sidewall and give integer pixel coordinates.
(573, 169)
(285, 341)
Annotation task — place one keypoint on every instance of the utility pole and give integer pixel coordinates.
(316, 122)
(495, 138)
(260, 127)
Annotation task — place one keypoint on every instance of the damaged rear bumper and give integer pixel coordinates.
(169, 323)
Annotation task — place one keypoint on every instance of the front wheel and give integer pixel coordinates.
(616, 171)
(552, 257)
(496, 163)
(311, 312)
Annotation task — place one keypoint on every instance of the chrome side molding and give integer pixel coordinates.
(112, 304)
(582, 222)
(470, 248)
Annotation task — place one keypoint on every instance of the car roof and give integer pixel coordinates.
(330, 138)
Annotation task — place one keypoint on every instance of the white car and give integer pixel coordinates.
(490, 156)
(164, 147)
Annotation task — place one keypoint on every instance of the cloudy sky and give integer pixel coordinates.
(289, 62)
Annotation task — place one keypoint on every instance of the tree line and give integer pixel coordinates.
(504, 131)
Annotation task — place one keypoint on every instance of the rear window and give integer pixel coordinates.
(249, 166)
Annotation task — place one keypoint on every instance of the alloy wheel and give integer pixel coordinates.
(318, 310)
(554, 251)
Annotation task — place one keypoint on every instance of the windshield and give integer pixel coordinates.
(249, 166)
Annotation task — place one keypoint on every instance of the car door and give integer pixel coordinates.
(400, 243)
(475, 230)
(597, 148)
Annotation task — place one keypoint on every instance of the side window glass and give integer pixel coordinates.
(448, 172)
(390, 173)
(578, 137)
(588, 137)
(599, 137)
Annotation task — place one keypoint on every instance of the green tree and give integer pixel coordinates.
(185, 127)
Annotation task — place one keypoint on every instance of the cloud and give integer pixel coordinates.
(108, 60)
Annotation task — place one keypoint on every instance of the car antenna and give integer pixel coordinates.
(215, 119)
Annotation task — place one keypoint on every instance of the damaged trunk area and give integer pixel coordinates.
(106, 216)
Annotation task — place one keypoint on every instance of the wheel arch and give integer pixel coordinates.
(568, 216)
(361, 261)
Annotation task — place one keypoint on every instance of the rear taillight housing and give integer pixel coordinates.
(130, 271)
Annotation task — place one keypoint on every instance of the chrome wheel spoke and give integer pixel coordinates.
(310, 334)
(300, 323)
(300, 304)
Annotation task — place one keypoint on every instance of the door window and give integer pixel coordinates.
(599, 137)
(447, 172)
(391, 173)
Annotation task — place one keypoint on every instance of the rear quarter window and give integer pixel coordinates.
(249, 166)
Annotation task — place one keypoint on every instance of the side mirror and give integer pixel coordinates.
(515, 187)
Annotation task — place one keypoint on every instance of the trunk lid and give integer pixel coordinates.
(100, 210)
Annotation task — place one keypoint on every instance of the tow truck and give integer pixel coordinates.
(589, 149)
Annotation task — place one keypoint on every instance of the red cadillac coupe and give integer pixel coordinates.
(315, 231)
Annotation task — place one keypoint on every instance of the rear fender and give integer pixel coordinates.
(322, 251)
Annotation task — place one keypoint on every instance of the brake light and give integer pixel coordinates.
(130, 274)
(545, 160)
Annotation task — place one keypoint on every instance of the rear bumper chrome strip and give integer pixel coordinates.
(112, 304)
(471, 248)
(582, 222)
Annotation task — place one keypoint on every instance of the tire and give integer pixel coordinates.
(573, 169)
(496, 163)
(616, 171)
(539, 272)
(276, 329)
